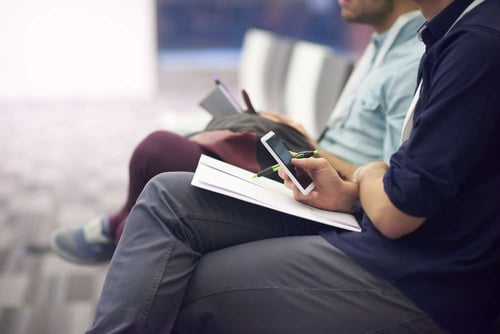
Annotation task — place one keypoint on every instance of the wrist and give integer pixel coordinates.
(350, 197)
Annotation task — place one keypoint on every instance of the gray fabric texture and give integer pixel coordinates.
(241, 284)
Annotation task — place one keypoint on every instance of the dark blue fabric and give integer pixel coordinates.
(449, 172)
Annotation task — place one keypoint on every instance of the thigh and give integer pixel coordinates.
(293, 285)
(165, 151)
(208, 221)
(169, 228)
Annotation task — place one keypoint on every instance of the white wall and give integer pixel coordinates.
(77, 48)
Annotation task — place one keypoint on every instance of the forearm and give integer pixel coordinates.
(387, 218)
(371, 192)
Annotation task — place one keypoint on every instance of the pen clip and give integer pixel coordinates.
(246, 98)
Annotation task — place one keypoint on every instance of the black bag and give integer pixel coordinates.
(247, 122)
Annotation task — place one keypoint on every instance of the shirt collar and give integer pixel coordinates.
(436, 28)
(378, 40)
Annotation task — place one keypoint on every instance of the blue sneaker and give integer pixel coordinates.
(90, 243)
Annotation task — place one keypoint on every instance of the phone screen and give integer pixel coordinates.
(284, 155)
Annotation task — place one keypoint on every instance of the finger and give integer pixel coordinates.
(269, 116)
(312, 200)
(282, 174)
(287, 182)
(277, 117)
(290, 185)
(307, 199)
(310, 163)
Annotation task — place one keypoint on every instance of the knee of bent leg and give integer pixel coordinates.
(150, 149)
(168, 196)
(159, 193)
(169, 184)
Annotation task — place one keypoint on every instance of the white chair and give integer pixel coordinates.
(264, 61)
(315, 79)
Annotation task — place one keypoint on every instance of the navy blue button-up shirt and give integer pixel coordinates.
(449, 172)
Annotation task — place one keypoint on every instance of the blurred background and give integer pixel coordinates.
(81, 83)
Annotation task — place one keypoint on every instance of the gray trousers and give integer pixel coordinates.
(192, 261)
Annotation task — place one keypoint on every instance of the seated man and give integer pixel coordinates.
(366, 125)
(426, 261)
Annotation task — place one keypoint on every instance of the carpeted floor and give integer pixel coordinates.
(61, 163)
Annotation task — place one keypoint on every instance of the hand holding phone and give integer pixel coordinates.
(283, 157)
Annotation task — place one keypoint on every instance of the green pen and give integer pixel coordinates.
(306, 154)
(267, 171)
(274, 168)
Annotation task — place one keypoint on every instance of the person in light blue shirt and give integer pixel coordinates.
(367, 120)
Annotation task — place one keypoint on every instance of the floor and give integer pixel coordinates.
(61, 163)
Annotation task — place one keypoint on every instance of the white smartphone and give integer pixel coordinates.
(282, 155)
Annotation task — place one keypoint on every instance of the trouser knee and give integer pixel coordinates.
(153, 145)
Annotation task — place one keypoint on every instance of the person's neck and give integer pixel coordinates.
(430, 8)
(400, 8)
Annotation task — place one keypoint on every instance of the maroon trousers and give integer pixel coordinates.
(161, 151)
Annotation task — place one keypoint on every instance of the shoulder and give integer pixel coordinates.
(407, 48)
(473, 35)
(485, 17)
(401, 66)
(410, 50)
(471, 48)
(405, 57)
(478, 33)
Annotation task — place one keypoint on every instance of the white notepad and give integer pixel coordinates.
(218, 176)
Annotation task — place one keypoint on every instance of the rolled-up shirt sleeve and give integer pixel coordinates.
(452, 131)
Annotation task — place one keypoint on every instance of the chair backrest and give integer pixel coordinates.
(315, 79)
(264, 62)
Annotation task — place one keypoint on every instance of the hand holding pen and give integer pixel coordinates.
(272, 169)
